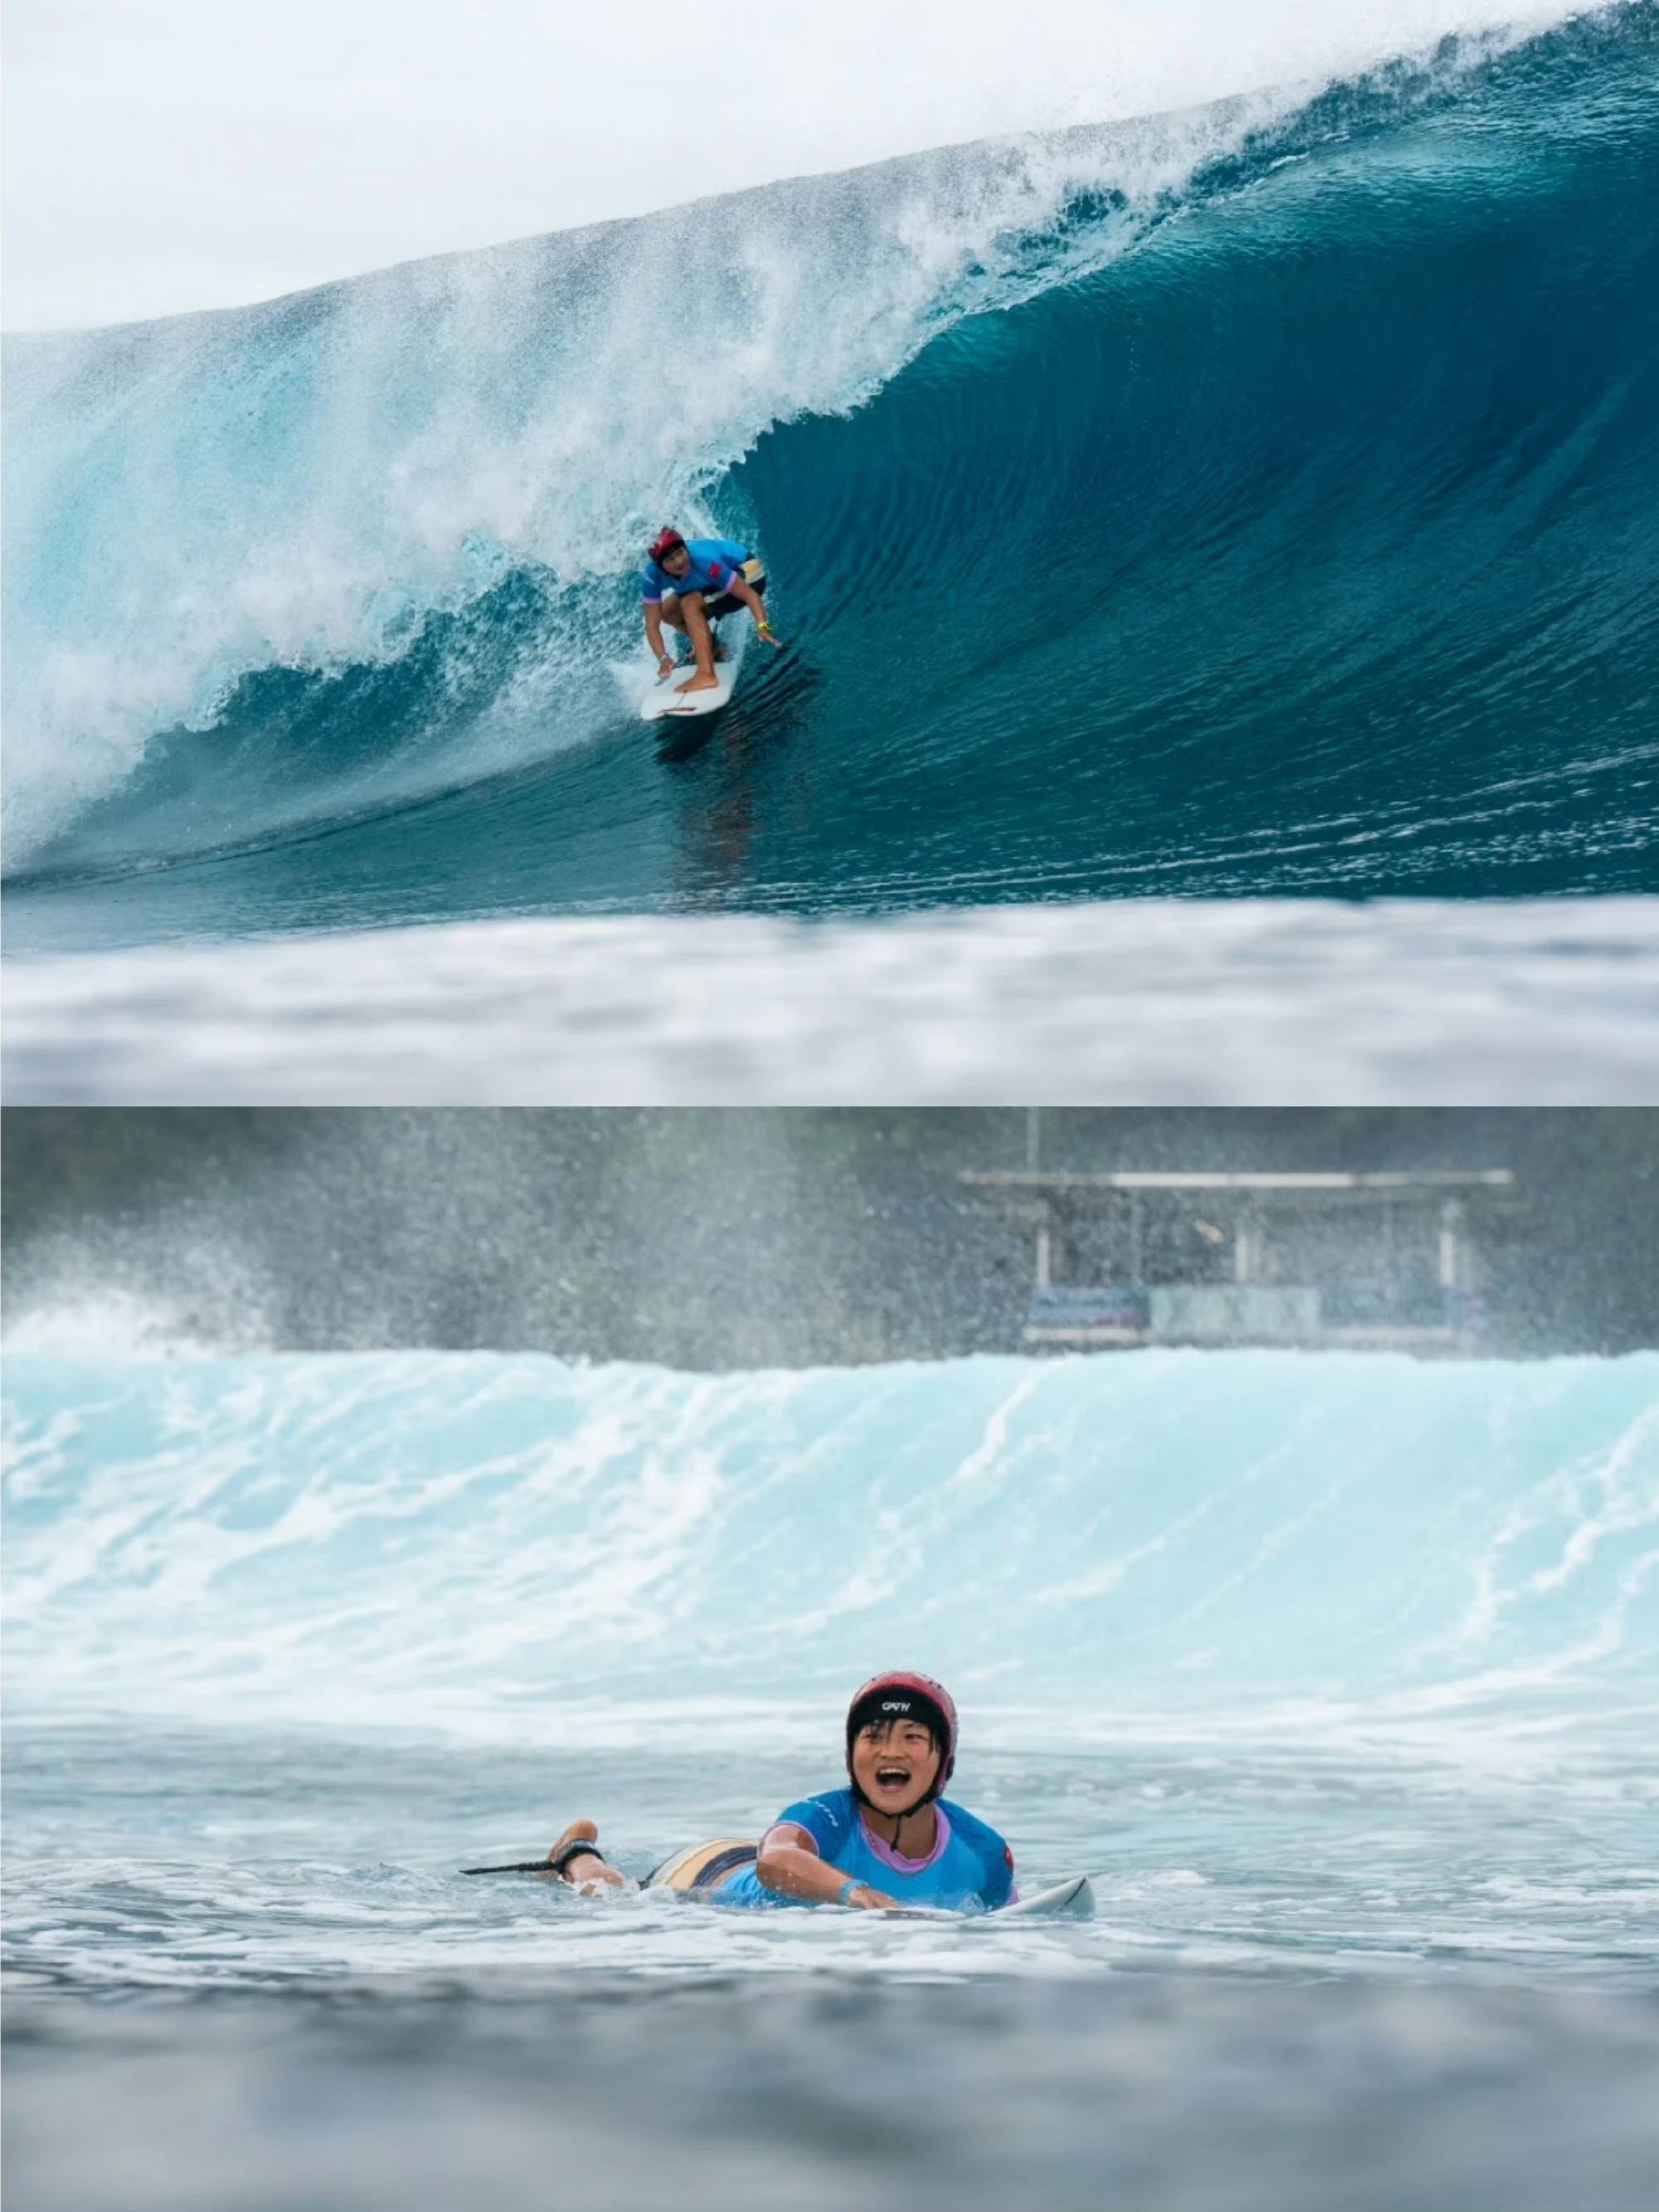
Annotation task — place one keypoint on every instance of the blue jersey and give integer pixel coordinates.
(971, 1868)
(715, 562)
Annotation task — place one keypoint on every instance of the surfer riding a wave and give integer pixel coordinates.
(890, 1839)
(690, 585)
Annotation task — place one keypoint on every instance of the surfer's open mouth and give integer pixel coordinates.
(892, 1777)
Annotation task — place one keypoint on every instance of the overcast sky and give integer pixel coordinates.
(163, 154)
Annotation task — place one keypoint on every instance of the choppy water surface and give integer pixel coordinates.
(243, 1971)
(1338, 1674)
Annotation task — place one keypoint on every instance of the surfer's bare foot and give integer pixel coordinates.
(708, 683)
(585, 1870)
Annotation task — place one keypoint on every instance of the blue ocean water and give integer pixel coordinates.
(1256, 501)
(1339, 1675)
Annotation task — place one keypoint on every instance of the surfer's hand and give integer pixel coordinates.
(871, 1900)
(665, 666)
(766, 631)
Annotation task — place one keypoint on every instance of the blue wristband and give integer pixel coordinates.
(850, 1883)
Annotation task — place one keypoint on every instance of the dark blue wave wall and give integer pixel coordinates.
(1314, 546)
(1309, 547)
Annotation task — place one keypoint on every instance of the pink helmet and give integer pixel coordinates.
(901, 1697)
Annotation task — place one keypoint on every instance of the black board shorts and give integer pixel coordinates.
(753, 574)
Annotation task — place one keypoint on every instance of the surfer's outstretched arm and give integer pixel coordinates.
(751, 598)
(790, 1864)
(584, 1869)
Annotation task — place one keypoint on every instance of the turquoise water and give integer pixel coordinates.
(1214, 552)
(1259, 497)
(1337, 1673)
(1250, 1538)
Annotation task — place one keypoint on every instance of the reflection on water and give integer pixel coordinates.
(738, 772)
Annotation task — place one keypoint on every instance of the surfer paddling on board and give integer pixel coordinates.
(690, 584)
(890, 1839)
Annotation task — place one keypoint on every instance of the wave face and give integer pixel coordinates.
(1252, 501)
(504, 1543)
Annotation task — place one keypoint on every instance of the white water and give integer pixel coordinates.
(1172, 1544)
(1240, 1001)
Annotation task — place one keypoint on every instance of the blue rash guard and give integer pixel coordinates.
(715, 562)
(970, 1869)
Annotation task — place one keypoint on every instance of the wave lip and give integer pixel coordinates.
(1536, 1002)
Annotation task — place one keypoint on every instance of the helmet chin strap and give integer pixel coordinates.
(909, 1812)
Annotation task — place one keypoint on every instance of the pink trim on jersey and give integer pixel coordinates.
(897, 1859)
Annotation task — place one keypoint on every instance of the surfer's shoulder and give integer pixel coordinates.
(828, 1814)
(979, 1835)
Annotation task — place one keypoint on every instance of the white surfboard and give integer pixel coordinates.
(666, 701)
(1071, 1899)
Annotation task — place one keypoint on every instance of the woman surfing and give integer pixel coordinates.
(690, 584)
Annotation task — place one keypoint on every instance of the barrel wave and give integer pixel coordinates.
(1177, 1540)
(1252, 502)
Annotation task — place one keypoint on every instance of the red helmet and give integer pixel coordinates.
(917, 1697)
(664, 542)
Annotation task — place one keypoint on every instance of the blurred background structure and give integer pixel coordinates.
(784, 1238)
(1325, 1259)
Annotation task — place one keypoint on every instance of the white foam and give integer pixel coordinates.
(62, 1314)
(512, 1546)
(1239, 1001)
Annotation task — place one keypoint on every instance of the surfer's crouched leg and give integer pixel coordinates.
(676, 621)
(576, 1858)
(702, 642)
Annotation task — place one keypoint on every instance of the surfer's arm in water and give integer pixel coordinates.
(576, 1858)
(789, 1863)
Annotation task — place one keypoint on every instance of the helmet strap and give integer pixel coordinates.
(935, 1789)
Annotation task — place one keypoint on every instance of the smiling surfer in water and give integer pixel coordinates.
(690, 583)
(890, 1839)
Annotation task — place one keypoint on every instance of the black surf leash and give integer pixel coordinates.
(554, 1863)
